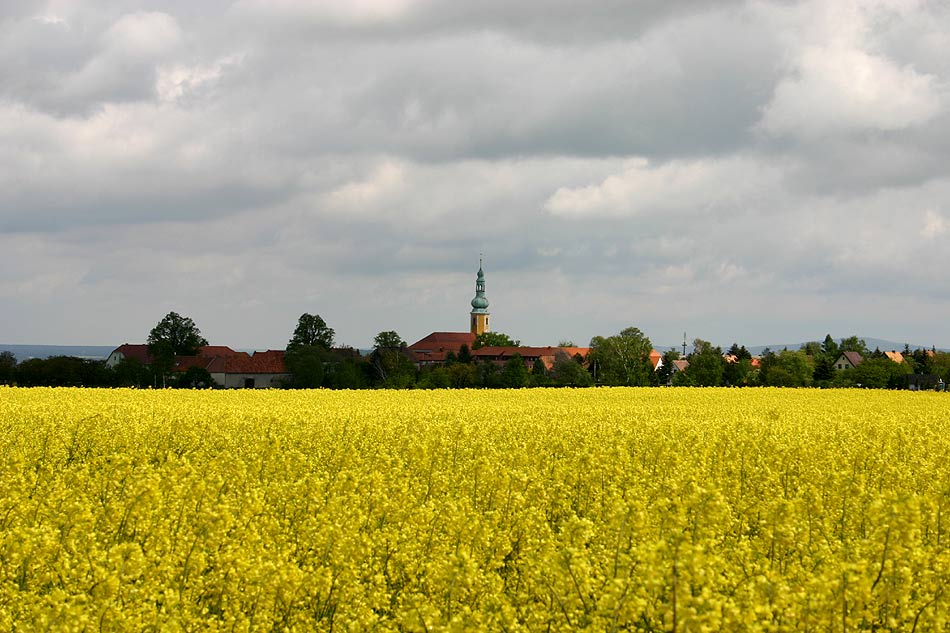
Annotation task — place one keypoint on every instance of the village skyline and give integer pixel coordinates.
(761, 171)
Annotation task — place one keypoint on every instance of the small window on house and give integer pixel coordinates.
(248, 383)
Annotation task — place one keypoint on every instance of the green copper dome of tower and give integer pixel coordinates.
(479, 304)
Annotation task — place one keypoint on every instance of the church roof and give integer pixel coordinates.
(434, 347)
(444, 340)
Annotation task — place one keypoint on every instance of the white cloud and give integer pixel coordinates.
(839, 81)
(934, 225)
(143, 35)
(840, 90)
(679, 186)
(386, 182)
(177, 82)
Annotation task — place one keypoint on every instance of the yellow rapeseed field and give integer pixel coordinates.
(607, 509)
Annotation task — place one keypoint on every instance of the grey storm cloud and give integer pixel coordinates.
(727, 167)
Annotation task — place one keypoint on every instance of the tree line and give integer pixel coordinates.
(314, 360)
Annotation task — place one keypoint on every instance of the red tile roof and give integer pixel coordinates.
(269, 362)
(897, 357)
(184, 363)
(140, 353)
(137, 352)
(853, 357)
(444, 341)
(434, 347)
(209, 351)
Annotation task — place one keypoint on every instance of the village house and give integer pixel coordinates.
(433, 349)
(228, 368)
(848, 360)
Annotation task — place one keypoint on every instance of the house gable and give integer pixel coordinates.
(848, 360)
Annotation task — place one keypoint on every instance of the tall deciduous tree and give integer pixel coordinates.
(853, 344)
(622, 359)
(391, 363)
(706, 364)
(664, 373)
(175, 334)
(311, 330)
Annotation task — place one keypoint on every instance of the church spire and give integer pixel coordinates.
(479, 312)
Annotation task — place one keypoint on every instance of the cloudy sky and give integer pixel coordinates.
(752, 171)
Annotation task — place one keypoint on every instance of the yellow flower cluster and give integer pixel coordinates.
(607, 509)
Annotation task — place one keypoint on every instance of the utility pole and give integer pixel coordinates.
(684, 344)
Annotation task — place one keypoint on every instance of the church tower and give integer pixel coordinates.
(479, 304)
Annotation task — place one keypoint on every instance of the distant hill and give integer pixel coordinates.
(872, 343)
(26, 352)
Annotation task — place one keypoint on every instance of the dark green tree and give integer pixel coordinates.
(736, 374)
(464, 355)
(940, 365)
(311, 330)
(488, 375)
(63, 371)
(435, 378)
(463, 375)
(345, 369)
(811, 348)
(853, 344)
(923, 361)
(793, 370)
(174, 335)
(740, 352)
(705, 364)
(824, 371)
(515, 373)
(390, 360)
(568, 372)
(7, 368)
(830, 349)
(664, 373)
(539, 374)
(129, 372)
(873, 373)
(194, 378)
(389, 339)
(494, 339)
(307, 365)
